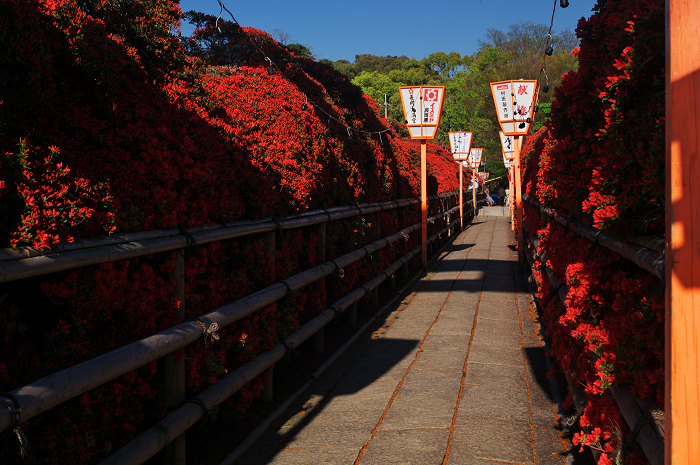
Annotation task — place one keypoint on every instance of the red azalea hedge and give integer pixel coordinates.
(107, 125)
(600, 161)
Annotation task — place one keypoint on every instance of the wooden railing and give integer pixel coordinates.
(643, 418)
(57, 388)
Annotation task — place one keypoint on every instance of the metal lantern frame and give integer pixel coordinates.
(508, 145)
(516, 105)
(422, 108)
(461, 144)
(474, 160)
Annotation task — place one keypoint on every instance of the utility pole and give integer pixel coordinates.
(386, 108)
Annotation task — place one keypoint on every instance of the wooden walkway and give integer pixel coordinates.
(456, 375)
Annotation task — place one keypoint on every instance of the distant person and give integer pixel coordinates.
(501, 196)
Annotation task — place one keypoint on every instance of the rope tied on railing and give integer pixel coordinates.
(289, 350)
(12, 405)
(208, 333)
(338, 312)
(365, 288)
(630, 443)
(328, 214)
(335, 264)
(368, 253)
(209, 415)
(278, 227)
(191, 241)
(290, 291)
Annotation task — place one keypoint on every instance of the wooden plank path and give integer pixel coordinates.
(455, 375)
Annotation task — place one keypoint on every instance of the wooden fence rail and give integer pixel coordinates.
(643, 255)
(641, 416)
(30, 262)
(54, 389)
(177, 422)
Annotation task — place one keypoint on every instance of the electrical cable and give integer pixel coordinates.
(274, 69)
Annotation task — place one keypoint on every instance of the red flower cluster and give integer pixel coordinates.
(600, 161)
(120, 130)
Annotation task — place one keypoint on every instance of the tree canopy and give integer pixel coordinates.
(513, 54)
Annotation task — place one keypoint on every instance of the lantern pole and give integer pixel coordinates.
(424, 201)
(518, 202)
(682, 378)
(511, 195)
(461, 199)
(474, 191)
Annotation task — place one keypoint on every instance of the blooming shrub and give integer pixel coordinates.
(53, 202)
(120, 130)
(600, 161)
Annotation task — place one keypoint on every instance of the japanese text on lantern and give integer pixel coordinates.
(503, 91)
(430, 100)
(412, 103)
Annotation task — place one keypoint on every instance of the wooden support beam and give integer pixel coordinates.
(682, 403)
(352, 315)
(174, 367)
(374, 297)
(267, 391)
(318, 341)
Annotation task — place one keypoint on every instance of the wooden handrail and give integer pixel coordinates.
(651, 434)
(643, 257)
(176, 423)
(54, 389)
(28, 262)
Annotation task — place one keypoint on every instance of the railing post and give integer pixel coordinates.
(449, 217)
(318, 341)
(374, 297)
(267, 394)
(352, 314)
(268, 378)
(322, 231)
(174, 369)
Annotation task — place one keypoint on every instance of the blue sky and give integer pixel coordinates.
(339, 30)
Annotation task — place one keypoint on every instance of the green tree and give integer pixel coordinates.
(345, 67)
(301, 50)
(514, 54)
(446, 66)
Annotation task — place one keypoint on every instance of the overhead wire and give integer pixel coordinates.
(547, 49)
(273, 67)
